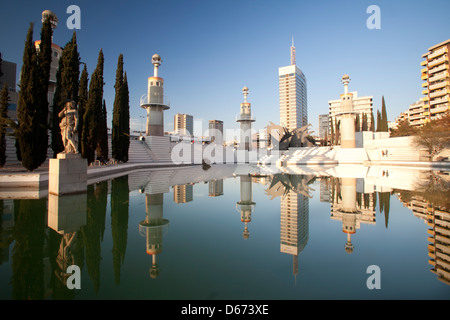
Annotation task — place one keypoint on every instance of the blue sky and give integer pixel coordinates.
(212, 49)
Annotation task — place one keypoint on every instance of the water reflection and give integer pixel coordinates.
(49, 234)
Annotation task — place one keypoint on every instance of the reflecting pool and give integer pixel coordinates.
(234, 232)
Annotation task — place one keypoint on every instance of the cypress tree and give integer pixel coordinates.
(117, 149)
(332, 133)
(358, 123)
(384, 120)
(364, 122)
(4, 99)
(125, 119)
(372, 122)
(102, 143)
(93, 112)
(82, 100)
(26, 107)
(378, 121)
(66, 88)
(44, 63)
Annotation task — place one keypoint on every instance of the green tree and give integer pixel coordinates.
(372, 122)
(121, 115)
(44, 60)
(365, 125)
(384, 120)
(82, 100)
(92, 115)
(358, 123)
(4, 99)
(102, 143)
(378, 121)
(403, 129)
(26, 107)
(434, 136)
(66, 88)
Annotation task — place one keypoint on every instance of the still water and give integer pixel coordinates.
(222, 233)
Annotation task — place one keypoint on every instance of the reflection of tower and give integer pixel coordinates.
(294, 233)
(246, 205)
(155, 102)
(346, 116)
(354, 208)
(246, 119)
(56, 55)
(153, 228)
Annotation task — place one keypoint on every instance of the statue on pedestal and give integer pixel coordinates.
(69, 127)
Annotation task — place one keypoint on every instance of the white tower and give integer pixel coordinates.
(155, 102)
(347, 117)
(246, 205)
(246, 119)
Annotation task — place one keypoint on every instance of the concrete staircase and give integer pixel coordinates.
(11, 157)
(139, 152)
(159, 148)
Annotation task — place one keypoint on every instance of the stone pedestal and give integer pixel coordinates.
(67, 213)
(67, 174)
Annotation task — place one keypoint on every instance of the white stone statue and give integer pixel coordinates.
(69, 126)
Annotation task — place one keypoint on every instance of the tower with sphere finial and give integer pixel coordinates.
(346, 116)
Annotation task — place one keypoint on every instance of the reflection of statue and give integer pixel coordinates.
(69, 126)
(283, 139)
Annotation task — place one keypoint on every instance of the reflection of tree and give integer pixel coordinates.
(385, 198)
(282, 184)
(434, 188)
(94, 229)
(27, 260)
(119, 222)
(6, 236)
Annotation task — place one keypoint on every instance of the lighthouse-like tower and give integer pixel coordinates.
(155, 102)
(245, 118)
(347, 116)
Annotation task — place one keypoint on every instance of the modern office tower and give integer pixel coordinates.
(216, 131)
(183, 193)
(245, 118)
(56, 55)
(436, 81)
(293, 95)
(184, 125)
(323, 126)
(9, 70)
(294, 225)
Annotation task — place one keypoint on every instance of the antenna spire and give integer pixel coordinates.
(293, 62)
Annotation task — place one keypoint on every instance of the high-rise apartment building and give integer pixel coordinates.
(293, 95)
(435, 73)
(184, 124)
(323, 126)
(216, 131)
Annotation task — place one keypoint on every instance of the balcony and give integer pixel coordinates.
(160, 100)
(439, 100)
(437, 61)
(438, 68)
(439, 76)
(439, 109)
(439, 93)
(438, 85)
(437, 53)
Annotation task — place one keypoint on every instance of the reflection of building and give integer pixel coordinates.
(246, 205)
(351, 208)
(215, 188)
(294, 223)
(184, 124)
(153, 228)
(438, 221)
(435, 74)
(183, 193)
(293, 95)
